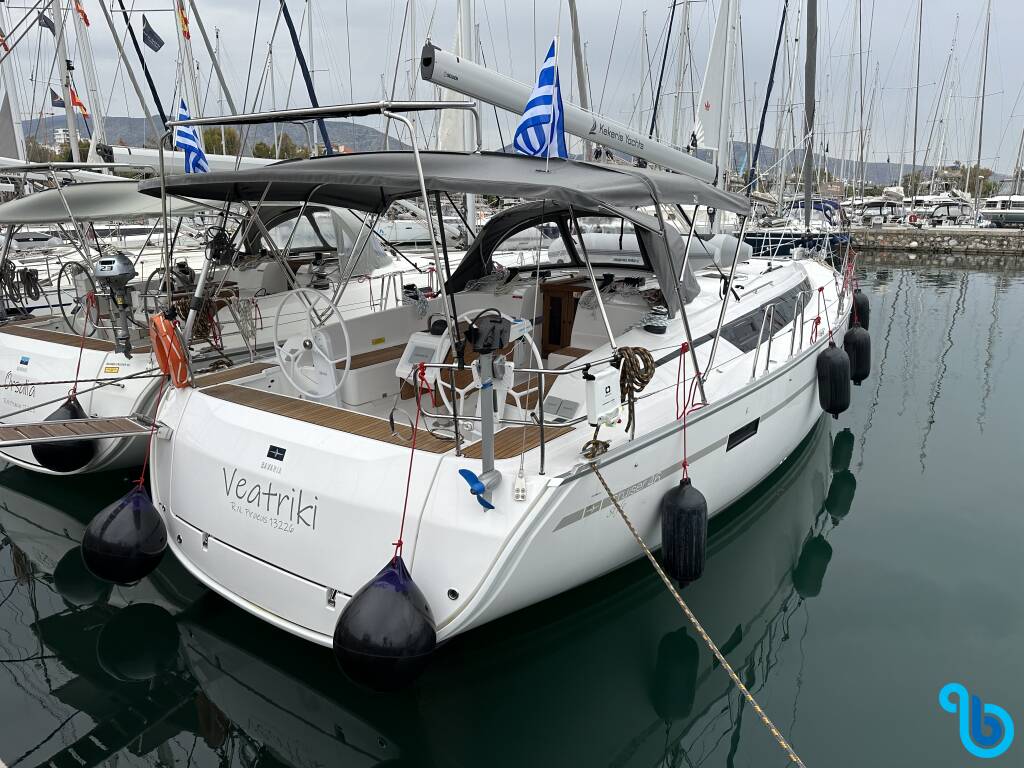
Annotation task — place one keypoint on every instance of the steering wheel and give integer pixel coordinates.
(290, 357)
(75, 279)
(442, 386)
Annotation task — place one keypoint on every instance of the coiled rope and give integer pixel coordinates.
(775, 732)
(30, 283)
(636, 369)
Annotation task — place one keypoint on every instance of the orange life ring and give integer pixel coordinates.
(168, 349)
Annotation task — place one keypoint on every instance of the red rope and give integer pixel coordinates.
(90, 300)
(822, 306)
(689, 398)
(152, 432)
(421, 387)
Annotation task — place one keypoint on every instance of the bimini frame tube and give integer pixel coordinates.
(725, 299)
(437, 266)
(387, 108)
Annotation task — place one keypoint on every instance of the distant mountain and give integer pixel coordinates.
(361, 138)
(883, 174)
(135, 132)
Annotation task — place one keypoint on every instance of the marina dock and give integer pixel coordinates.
(943, 245)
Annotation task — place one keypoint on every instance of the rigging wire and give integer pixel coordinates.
(611, 52)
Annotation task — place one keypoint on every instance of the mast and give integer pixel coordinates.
(661, 71)
(752, 182)
(129, 70)
(142, 61)
(981, 116)
(1015, 188)
(306, 75)
(810, 72)
(273, 97)
(469, 54)
(681, 57)
(223, 91)
(581, 70)
(190, 85)
(9, 80)
(65, 77)
(860, 95)
(917, 99)
(99, 134)
(937, 129)
(215, 58)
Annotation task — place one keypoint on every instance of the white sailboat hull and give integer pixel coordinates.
(291, 539)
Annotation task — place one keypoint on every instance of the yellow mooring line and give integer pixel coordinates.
(793, 757)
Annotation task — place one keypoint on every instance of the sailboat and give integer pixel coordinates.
(484, 430)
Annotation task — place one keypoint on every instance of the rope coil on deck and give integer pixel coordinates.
(775, 732)
(636, 370)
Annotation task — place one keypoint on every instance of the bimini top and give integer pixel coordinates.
(87, 201)
(372, 181)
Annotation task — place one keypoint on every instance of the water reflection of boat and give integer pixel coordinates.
(113, 651)
(615, 652)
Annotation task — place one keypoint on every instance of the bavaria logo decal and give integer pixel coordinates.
(986, 730)
(275, 453)
(24, 360)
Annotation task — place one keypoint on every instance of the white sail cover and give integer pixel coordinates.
(451, 131)
(711, 121)
(8, 136)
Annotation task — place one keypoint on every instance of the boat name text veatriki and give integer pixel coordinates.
(270, 507)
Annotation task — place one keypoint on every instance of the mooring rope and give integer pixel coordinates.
(775, 732)
(636, 370)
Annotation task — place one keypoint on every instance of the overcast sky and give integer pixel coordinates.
(514, 35)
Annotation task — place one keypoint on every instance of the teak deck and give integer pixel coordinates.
(507, 443)
(327, 416)
(233, 373)
(65, 339)
(363, 360)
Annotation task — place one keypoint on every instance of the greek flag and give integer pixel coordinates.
(541, 132)
(186, 138)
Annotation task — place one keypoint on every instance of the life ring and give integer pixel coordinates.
(168, 350)
(912, 218)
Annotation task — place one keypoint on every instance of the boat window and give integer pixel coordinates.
(610, 241)
(1017, 204)
(310, 235)
(523, 245)
(743, 332)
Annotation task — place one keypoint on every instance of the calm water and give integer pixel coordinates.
(845, 598)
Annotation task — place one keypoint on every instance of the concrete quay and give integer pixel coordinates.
(943, 245)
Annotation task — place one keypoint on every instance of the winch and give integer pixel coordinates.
(112, 274)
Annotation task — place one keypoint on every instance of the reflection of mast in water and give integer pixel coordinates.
(986, 386)
(907, 347)
(940, 373)
(881, 367)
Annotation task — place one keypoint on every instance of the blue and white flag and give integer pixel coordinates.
(186, 138)
(541, 132)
